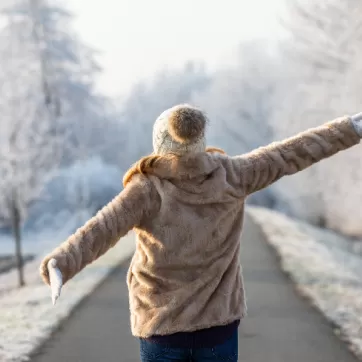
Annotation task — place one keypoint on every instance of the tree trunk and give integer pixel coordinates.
(17, 238)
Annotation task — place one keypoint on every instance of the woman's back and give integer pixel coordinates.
(185, 273)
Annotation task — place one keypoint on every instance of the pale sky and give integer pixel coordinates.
(138, 37)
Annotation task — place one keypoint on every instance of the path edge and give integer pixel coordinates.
(263, 218)
(122, 262)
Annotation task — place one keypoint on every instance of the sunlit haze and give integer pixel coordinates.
(137, 37)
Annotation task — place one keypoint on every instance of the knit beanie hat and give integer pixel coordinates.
(180, 130)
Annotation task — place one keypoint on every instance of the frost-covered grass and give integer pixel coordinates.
(326, 268)
(27, 315)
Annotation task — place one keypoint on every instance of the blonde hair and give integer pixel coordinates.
(147, 163)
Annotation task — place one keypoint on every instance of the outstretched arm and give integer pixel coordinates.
(263, 166)
(104, 230)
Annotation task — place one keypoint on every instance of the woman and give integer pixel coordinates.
(186, 204)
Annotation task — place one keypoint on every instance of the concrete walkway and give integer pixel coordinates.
(280, 325)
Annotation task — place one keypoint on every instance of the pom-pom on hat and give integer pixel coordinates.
(180, 130)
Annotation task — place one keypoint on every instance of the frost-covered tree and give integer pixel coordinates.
(322, 76)
(46, 78)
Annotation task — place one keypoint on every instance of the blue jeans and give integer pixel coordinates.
(227, 351)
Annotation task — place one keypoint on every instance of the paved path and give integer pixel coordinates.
(280, 326)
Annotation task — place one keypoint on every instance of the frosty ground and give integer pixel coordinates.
(326, 268)
(28, 316)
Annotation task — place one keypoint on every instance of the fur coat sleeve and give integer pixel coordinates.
(263, 166)
(104, 230)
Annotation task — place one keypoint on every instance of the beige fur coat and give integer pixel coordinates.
(187, 213)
